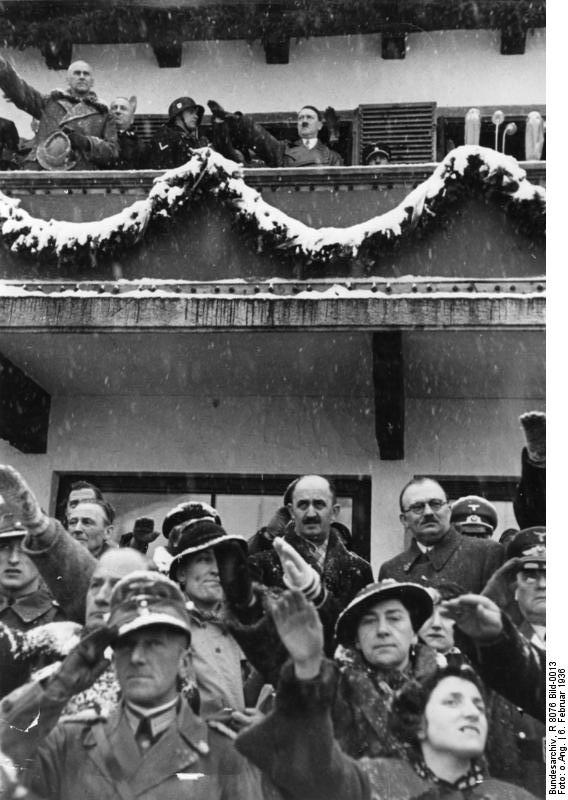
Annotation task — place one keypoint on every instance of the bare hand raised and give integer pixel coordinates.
(21, 500)
(477, 616)
(300, 629)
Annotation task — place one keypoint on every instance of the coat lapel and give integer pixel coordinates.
(441, 553)
(122, 744)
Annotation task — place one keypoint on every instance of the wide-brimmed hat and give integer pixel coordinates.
(55, 152)
(529, 545)
(189, 510)
(197, 535)
(143, 525)
(10, 526)
(474, 510)
(181, 104)
(146, 598)
(415, 598)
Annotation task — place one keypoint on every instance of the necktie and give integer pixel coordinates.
(144, 738)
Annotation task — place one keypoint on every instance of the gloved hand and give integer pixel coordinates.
(331, 120)
(21, 500)
(217, 110)
(78, 140)
(82, 666)
(298, 574)
(534, 427)
(234, 573)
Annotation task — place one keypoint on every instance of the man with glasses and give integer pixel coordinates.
(437, 551)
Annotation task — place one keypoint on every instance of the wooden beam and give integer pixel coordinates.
(513, 41)
(57, 55)
(168, 54)
(393, 45)
(35, 311)
(277, 51)
(388, 380)
(24, 409)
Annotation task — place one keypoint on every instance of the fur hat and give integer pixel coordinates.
(415, 598)
(196, 535)
(184, 512)
(55, 152)
(146, 598)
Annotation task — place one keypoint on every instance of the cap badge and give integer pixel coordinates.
(537, 550)
(143, 608)
(473, 506)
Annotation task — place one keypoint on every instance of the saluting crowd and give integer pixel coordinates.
(75, 130)
(275, 667)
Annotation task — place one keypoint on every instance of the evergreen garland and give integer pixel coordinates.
(465, 171)
(21, 26)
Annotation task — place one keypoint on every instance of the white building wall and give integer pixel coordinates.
(464, 394)
(452, 68)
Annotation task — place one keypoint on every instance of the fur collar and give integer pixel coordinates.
(89, 99)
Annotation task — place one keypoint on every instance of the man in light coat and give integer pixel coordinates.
(75, 130)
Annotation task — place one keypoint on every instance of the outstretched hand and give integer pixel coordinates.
(298, 574)
(477, 616)
(21, 500)
(534, 427)
(301, 632)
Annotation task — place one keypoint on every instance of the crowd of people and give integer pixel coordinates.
(277, 667)
(75, 130)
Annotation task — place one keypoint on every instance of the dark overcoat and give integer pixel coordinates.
(464, 560)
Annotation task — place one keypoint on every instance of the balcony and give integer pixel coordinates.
(202, 244)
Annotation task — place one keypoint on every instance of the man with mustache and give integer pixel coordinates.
(244, 133)
(437, 551)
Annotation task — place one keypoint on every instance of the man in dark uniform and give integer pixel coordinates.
(474, 516)
(132, 150)
(25, 602)
(173, 142)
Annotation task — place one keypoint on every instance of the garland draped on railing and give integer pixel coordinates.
(464, 171)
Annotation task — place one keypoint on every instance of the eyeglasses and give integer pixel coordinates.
(419, 508)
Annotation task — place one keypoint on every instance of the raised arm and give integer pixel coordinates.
(64, 564)
(19, 92)
(294, 744)
(499, 652)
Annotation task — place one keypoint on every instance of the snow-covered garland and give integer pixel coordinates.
(464, 171)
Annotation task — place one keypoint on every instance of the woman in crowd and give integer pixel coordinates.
(441, 719)
(379, 651)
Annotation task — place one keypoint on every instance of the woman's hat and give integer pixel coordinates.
(415, 598)
(184, 512)
(196, 535)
